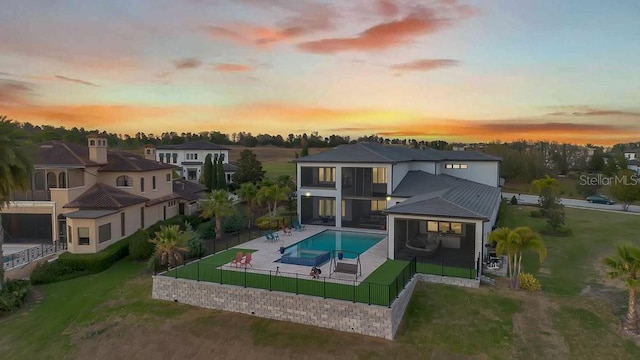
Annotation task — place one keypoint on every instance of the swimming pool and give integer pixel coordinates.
(352, 243)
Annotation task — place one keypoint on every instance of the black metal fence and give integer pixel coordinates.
(28, 255)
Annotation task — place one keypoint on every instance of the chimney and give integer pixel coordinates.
(150, 152)
(97, 148)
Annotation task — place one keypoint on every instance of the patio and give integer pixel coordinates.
(267, 253)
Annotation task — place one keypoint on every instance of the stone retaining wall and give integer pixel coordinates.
(372, 320)
(471, 283)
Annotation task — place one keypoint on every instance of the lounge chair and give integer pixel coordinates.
(286, 231)
(246, 260)
(296, 225)
(271, 237)
(238, 260)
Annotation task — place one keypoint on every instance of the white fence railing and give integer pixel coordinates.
(28, 255)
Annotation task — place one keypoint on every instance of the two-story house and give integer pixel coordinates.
(431, 203)
(89, 196)
(189, 158)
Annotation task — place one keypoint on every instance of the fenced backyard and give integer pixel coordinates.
(380, 288)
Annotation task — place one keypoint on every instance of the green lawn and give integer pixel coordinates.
(111, 314)
(276, 168)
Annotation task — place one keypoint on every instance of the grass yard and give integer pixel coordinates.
(576, 316)
(276, 161)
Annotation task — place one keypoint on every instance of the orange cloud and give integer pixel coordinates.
(232, 68)
(186, 63)
(425, 65)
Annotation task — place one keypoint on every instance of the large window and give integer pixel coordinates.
(175, 158)
(327, 175)
(83, 236)
(104, 233)
(192, 174)
(378, 205)
(162, 157)
(445, 227)
(327, 207)
(124, 181)
(192, 156)
(379, 175)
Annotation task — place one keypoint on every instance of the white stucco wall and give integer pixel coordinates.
(483, 172)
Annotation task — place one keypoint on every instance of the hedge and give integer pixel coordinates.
(139, 246)
(100, 261)
(49, 272)
(12, 295)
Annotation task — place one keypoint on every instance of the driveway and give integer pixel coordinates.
(533, 199)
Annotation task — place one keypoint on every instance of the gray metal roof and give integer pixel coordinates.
(446, 197)
(389, 154)
(89, 214)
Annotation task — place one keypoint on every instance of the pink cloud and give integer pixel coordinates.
(14, 92)
(425, 65)
(186, 63)
(387, 8)
(226, 67)
(77, 81)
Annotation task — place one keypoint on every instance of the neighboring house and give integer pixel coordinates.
(89, 197)
(435, 205)
(634, 165)
(190, 195)
(459, 147)
(189, 158)
(632, 154)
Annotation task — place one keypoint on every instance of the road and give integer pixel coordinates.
(533, 199)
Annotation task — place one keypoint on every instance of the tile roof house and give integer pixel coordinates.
(91, 197)
(189, 158)
(436, 206)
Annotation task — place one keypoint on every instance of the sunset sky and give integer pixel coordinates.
(461, 71)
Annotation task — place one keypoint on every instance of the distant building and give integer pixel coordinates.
(459, 147)
(189, 158)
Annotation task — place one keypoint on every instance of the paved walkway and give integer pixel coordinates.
(267, 253)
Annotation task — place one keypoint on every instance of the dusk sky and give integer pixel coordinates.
(454, 70)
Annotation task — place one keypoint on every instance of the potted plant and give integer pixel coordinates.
(340, 255)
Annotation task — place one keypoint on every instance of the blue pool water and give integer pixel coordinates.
(353, 243)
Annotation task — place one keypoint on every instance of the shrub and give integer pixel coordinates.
(139, 246)
(233, 223)
(197, 248)
(270, 222)
(49, 272)
(194, 220)
(13, 294)
(209, 231)
(100, 261)
(528, 282)
(514, 200)
(537, 214)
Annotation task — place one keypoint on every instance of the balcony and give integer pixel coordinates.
(318, 177)
(364, 182)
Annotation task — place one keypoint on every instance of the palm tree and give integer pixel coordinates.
(15, 168)
(512, 242)
(279, 193)
(247, 192)
(218, 204)
(171, 245)
(625, 265)
(264, 196)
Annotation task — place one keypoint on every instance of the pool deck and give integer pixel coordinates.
(268, 252)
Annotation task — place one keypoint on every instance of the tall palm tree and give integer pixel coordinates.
(512, 242)
(247, 192)
(264, 196)
(625, 265)
(279, 193)
(15, 168)
(171, 245)
(218, 205)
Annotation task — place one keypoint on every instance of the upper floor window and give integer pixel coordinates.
(141, 184)
(378, 205)
(327, 175)
(456, 166)
(379, 175)
(124, 181)
(161, 157)
(62, 180)
(52, 180)
(168, 177)
(192, 156)
(175, 158)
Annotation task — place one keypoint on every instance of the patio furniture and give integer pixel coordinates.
(271, 237)
(296, 225)
(246, 260)
(286, 231)
(425, 243)
(237, 260)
